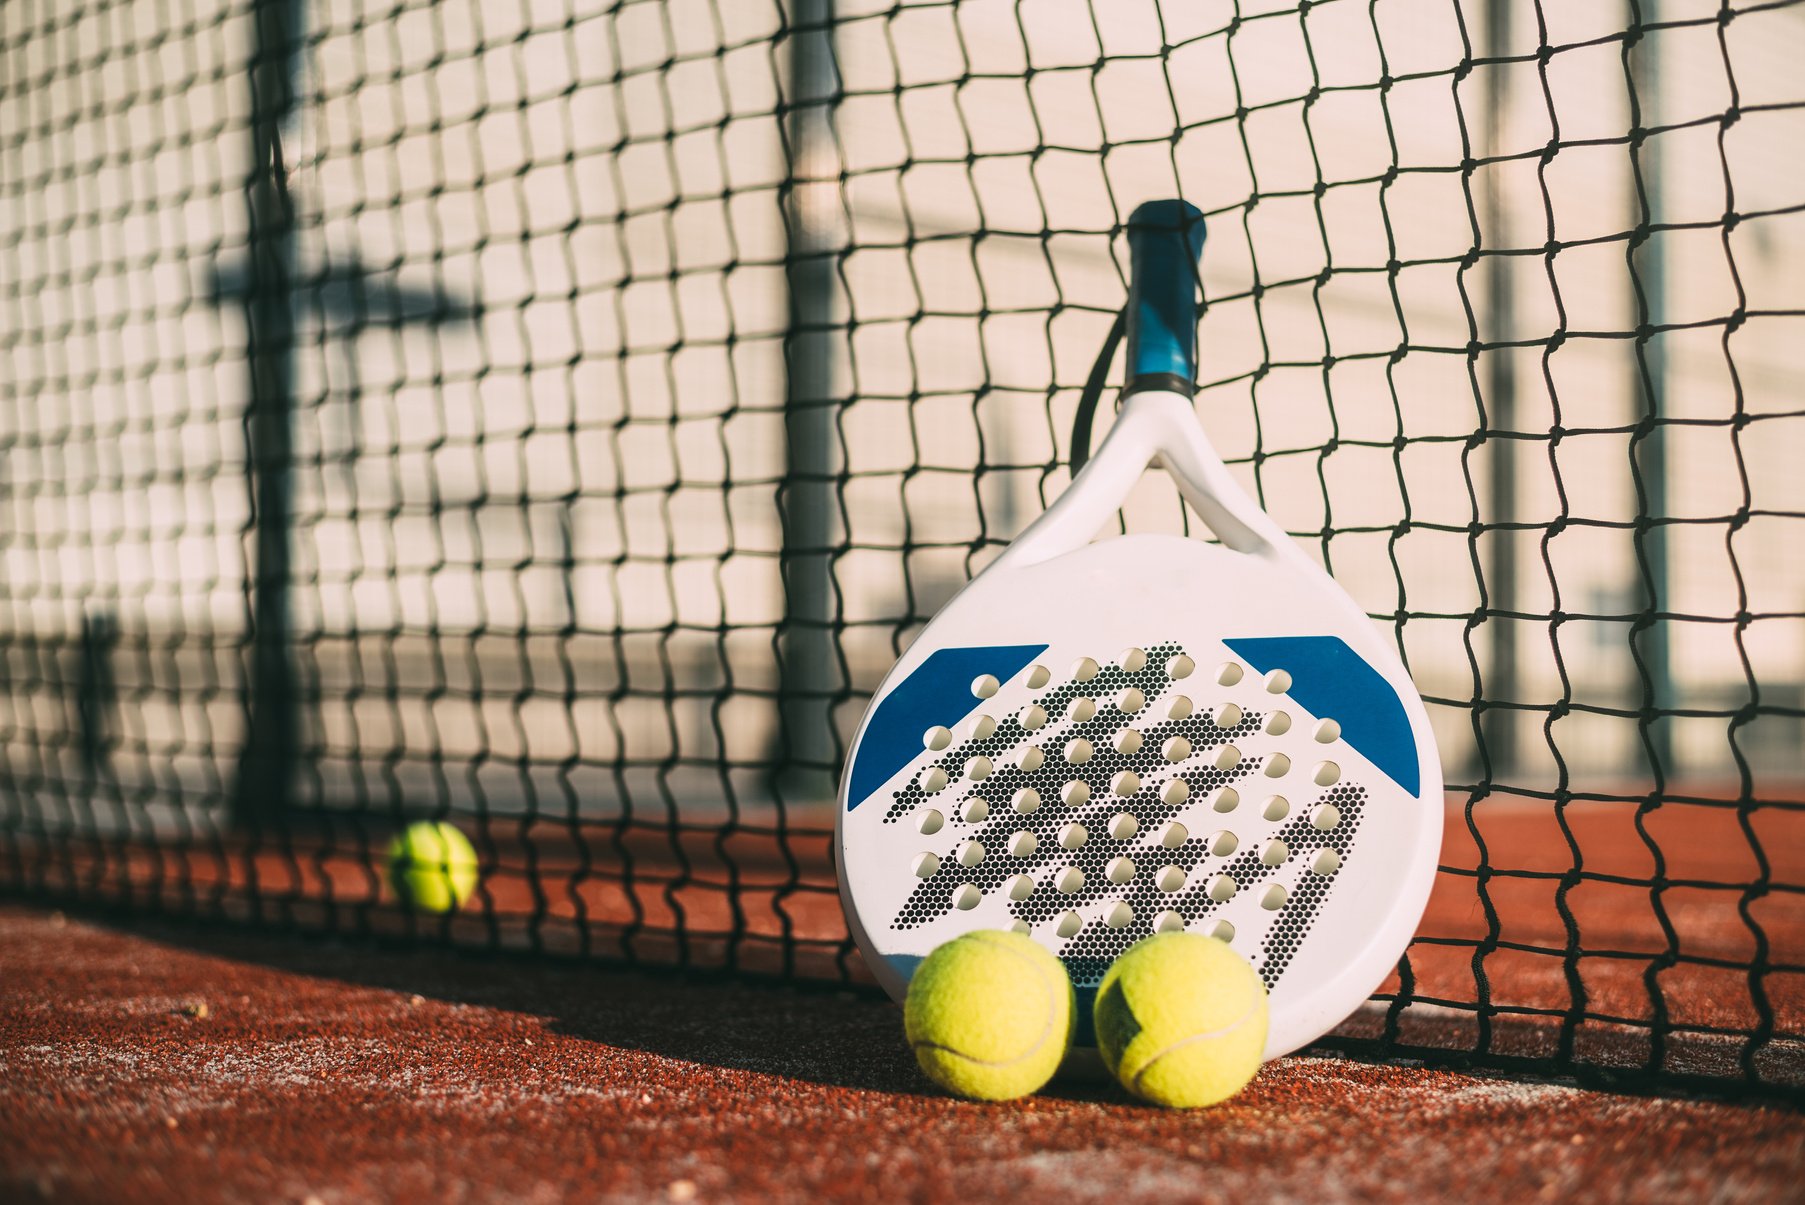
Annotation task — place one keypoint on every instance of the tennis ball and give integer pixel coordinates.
(1181, 1020)
(990, 1015)
(432, 866)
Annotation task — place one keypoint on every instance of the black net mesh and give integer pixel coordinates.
(555, 417)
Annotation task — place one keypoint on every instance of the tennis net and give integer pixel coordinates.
(556, 417)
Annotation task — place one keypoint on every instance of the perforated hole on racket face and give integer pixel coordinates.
(1096, 798)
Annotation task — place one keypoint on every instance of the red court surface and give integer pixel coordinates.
(160, 1062)
(1626, 919)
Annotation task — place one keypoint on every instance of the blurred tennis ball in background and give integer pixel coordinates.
(1181, 1020)
(990, 1015)
(432, 866)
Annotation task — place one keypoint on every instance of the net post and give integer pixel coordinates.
(272, 736)
(808, 498)
(96, 691)
(1499, 723)
(1648, 279)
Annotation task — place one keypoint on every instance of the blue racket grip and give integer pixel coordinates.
(1165, 240)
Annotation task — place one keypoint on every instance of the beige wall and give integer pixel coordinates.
(618, 219)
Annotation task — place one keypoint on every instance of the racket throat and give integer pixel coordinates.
(1154, 426)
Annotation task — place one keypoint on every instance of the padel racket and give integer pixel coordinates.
(1095, 741)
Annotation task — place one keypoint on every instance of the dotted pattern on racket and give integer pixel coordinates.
(1118, 794)
(1062, 709)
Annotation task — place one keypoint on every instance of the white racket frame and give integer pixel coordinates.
(1161, 427)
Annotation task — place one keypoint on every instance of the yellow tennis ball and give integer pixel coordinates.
(432, 866)
(990, 1015)
(1181, 1020)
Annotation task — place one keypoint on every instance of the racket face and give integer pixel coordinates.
(1146, 734)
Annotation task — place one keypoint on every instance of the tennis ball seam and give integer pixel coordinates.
(1253, 1007)
(1047, 1029)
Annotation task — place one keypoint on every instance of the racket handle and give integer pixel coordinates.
(1165, 239)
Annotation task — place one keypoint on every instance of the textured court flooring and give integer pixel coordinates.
(175, 1063)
